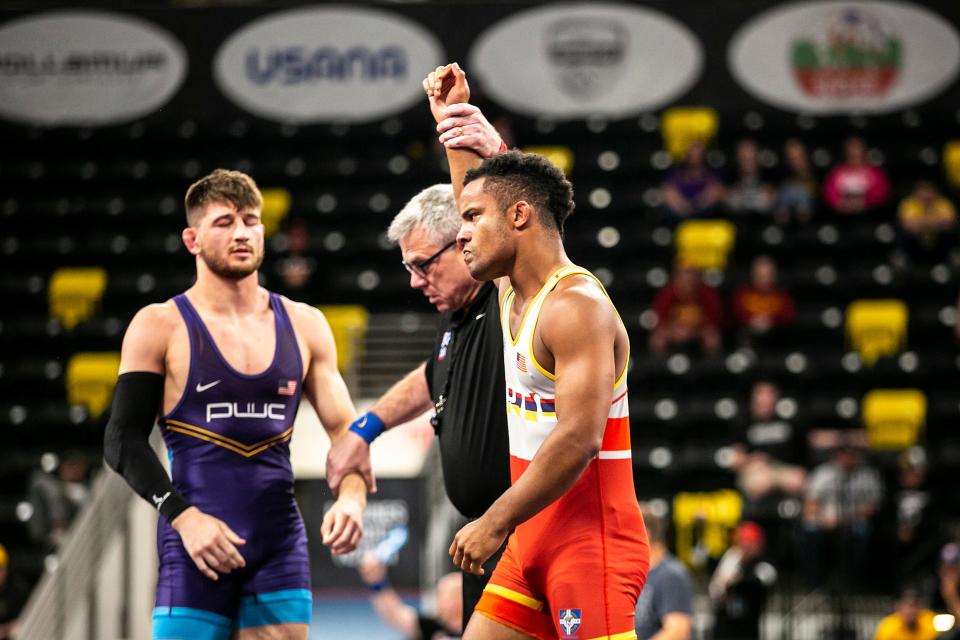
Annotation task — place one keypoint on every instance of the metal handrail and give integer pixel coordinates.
(69, 582)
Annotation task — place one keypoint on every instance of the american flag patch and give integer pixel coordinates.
(521, 363)
(287, 388)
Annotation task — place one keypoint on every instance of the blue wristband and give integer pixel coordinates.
(368, 426)
(377, 587)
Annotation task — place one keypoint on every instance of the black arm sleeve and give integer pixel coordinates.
(126, 446)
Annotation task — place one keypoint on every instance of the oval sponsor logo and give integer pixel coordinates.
(581, 60)
(839, 57)
(86, 68)
(327, 64)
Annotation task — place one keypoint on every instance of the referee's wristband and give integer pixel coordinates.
(377, 587)
(368, 426)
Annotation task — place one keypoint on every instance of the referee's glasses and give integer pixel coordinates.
(420, 268)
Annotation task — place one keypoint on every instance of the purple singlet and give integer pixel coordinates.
(228, 439)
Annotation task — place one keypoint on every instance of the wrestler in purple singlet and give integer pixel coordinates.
(229, 443)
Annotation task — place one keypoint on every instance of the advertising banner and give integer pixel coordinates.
(837, 57)
(327, 64)
(86, 68)
(585, 59)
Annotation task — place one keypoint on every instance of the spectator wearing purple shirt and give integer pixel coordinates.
(691, 190)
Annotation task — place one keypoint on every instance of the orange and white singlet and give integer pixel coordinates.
(575, 569)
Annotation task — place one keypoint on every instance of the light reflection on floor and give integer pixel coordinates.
(342, 616)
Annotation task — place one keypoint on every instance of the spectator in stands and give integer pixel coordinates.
(691, 190)
(798, 191)
(688, 313)
(769, 457)
(665, 608)
(948, 592)
(57, 497)
(297, 267)
(843, 495)
(909, 621)
(761, 305)
(912, 514)
(740, 585)
(749, 192)
(856, 185)
(928, 224)
(13, 595)
(405, 618)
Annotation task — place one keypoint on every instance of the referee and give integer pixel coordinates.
(462, 381)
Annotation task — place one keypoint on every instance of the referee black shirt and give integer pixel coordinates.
(466, 368)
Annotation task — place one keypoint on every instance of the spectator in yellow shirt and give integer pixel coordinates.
(909, 621)
(928, 224)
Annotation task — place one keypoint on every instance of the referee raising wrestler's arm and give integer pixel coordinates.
(578, 556)
(462, 381)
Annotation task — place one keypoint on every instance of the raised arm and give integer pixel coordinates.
(325, 389)
(465, 133)
(579, 328)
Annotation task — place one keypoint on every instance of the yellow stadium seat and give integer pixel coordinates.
(349, 324)
(74, 293)
(558, 155)
(715, 514)
(894, 418)
(276, 205)
(682, 126)
(877, 328)
(91, 377)
(951, 162)
(705, 244)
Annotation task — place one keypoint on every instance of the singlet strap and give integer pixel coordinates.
(551, 284)
(287, 335)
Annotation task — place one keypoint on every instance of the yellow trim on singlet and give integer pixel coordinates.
(626, 635)
(246, 450)
(523, 318)
(224, 438)
(575, 271)
(514, 596)
(508, 299)
(503, 302)
(245, 454)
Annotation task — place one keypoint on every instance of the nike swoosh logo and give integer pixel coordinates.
(480, 315)
(362, 423)
(203, 387)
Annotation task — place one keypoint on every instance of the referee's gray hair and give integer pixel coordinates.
(434, 210)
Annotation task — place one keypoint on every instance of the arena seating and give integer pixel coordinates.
(92, 221)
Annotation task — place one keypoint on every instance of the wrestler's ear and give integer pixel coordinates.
(190, 240)
(521, 214)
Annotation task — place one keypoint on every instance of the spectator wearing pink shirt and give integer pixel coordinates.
(856, 185)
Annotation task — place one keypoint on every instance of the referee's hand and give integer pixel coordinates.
(350, 453)
(465, 127)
